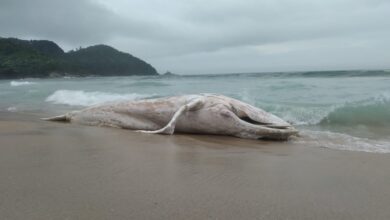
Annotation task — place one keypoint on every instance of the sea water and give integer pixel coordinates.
(347, 110)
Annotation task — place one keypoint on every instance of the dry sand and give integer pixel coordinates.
(64, 171)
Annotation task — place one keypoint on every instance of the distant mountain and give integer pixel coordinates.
(43, 58)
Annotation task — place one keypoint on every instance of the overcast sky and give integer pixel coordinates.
(215, 36)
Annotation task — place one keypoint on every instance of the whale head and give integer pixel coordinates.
(256, 123)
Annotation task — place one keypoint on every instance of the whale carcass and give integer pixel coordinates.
(201, 114)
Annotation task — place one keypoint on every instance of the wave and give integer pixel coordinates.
(299, 115)
(374, 112)
(82, 98)
(370, 112)
(21, 83)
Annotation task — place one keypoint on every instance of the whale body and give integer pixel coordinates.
(200, 114)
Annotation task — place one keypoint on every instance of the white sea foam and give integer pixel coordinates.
(82, 98)
(340, 141)
(21, 83)
(12, 109)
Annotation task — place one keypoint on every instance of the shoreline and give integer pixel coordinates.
(55, 170)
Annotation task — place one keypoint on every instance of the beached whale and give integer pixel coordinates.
(201, 114)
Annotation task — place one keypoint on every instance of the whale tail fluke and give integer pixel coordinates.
(62, 118)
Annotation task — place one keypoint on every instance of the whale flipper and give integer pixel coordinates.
(170, 127)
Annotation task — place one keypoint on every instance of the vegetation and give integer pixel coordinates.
(42, 58)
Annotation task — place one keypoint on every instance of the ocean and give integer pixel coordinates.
(347, 110)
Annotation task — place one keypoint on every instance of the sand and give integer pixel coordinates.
(64, 171)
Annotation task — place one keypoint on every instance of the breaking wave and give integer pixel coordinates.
(82, 98)
(371, 112)
(21, 83)
(375, 112)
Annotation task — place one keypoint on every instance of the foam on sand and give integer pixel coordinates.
(341, 141)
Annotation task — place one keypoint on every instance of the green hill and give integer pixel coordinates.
(42, 58)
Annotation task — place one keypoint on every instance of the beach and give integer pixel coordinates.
(66, 171)
(221, 110)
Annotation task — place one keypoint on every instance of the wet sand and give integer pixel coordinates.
(65, 171)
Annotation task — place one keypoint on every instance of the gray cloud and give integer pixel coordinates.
(202, 36)
(69, 21)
